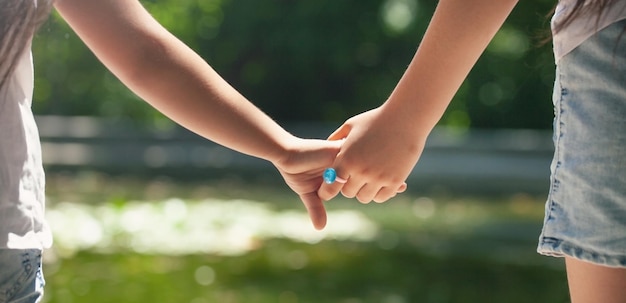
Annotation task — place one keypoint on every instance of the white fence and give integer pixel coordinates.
(476, 160)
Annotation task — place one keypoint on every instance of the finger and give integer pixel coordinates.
(352, 188)
(367, 193)
(385, 194)
(402, 188)
(315, 208)
(328, 191)
(341, 133)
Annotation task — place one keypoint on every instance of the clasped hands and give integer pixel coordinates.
(372, 151)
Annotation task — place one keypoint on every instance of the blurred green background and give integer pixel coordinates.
(245, 237)
(129, 239)
(311, 61)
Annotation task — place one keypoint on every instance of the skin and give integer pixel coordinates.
(400, 126)
(456, 37)
(591, 283)
(179, 83)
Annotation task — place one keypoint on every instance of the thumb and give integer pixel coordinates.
(315, 208)
(341, 133)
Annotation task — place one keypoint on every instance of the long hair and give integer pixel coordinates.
(19, 19)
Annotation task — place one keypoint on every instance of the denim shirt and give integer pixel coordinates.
(22, 197)
(583, 26)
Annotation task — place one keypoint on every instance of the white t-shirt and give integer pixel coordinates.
(22, 182)
(582, 27)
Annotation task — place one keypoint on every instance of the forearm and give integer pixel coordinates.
(458, 33)
(190, 92)
(171, 77)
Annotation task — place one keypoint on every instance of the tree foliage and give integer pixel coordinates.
(319, 60)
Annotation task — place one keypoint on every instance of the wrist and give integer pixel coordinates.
(415, 122)
(287, 147)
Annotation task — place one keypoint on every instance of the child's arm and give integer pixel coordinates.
(383, 145)
(176, 81)
(170, 76)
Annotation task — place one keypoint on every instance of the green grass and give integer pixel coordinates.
(425, 248)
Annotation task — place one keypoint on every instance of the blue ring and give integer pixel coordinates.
(330, 175)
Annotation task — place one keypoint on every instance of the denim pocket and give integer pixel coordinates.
(21, 277)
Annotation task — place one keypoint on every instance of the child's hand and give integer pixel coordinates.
(302, 169)
(379, 152)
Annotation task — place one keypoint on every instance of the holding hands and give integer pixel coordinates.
(375, 159)
(379, 147)
(371, 157)
(383, 145)
(302, 169)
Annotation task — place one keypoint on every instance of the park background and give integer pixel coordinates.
(144, 211)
